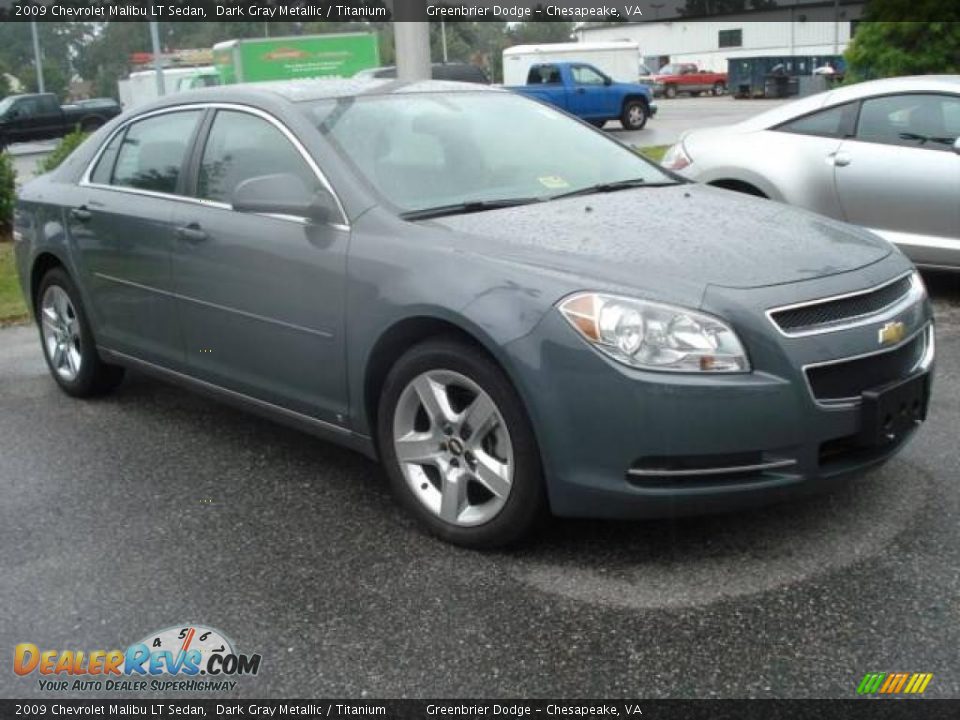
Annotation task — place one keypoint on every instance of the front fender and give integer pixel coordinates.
(427, 275)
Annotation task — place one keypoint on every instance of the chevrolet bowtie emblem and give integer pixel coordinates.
(891, 333)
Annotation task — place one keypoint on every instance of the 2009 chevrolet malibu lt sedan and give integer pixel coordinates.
(510, 310)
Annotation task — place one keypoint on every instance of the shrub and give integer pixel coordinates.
(67, 145)
(8, 190)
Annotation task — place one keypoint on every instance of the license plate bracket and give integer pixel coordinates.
(890, 411)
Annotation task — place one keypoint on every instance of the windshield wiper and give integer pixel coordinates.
(471, 206)
(612, 187)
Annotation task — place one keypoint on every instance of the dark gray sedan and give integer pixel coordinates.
(510, 310)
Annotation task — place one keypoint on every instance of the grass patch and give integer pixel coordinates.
(653, 152)
(12, 307)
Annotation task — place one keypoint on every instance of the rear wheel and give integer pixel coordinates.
(458, 446)
(90, 124)
(719, 88)
(670, 91)
(634, 115)
(68, 343)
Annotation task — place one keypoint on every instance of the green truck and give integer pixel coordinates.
(289, 58)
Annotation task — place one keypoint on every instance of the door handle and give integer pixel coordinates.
(839, 159)
(191, 233)
(81, 213)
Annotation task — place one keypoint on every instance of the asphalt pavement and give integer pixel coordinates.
(677, 115)
(155, 507)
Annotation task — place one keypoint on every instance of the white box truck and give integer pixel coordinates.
(141, 86)
(619, 59)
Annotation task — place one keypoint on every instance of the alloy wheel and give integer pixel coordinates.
(453, 448)
(61, 332)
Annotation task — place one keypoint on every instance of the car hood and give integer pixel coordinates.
(675, 240)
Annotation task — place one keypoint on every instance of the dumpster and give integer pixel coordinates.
(755, 77)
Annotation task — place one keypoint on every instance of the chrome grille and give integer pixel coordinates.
(846, 380)
(820, 314)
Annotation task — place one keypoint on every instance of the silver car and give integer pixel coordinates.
(884, 155)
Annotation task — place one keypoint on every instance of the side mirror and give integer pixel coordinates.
(283, 194)
(956, 146)
(607, 81)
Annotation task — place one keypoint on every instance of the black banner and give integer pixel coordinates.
(862, 709)
(611, 11)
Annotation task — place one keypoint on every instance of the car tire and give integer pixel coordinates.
(634, 115)
(90, 124)
(449, 467)
(719, 89)
(670, 91)
(68, 344)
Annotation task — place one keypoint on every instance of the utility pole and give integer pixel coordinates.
(443, 39)
(412, 40)
(836, 27)
(37, 60)
(157, 62)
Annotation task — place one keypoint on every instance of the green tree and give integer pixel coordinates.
(885, 47)
(57, 43)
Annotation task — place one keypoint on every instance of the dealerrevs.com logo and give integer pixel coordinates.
(188, 657)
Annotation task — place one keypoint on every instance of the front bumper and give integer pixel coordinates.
(620, 442)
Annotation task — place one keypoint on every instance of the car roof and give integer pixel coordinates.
(316, 89)
(847, 93)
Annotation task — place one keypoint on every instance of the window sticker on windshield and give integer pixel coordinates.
(553, 182)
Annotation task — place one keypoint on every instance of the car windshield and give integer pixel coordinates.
(431, 150)
(6, 104)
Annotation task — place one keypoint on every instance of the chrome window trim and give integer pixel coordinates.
(257, 112)
(912, 295)
(922, 365)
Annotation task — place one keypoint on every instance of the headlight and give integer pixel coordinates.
(651, 336)
(676, 157)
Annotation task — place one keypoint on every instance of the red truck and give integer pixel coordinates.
(677, 78)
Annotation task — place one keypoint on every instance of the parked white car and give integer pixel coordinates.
(883, 154)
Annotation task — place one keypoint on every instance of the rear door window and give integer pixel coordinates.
(834, 122)
(104, 170)
(152, 152)
(544, 75)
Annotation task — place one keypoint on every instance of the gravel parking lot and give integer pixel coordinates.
(155, 507)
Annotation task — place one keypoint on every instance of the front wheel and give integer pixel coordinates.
(634, 115)
(719, 88)
(458, 446)
(670, 91)
(68, 344)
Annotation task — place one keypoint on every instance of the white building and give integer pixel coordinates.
(806, 28)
